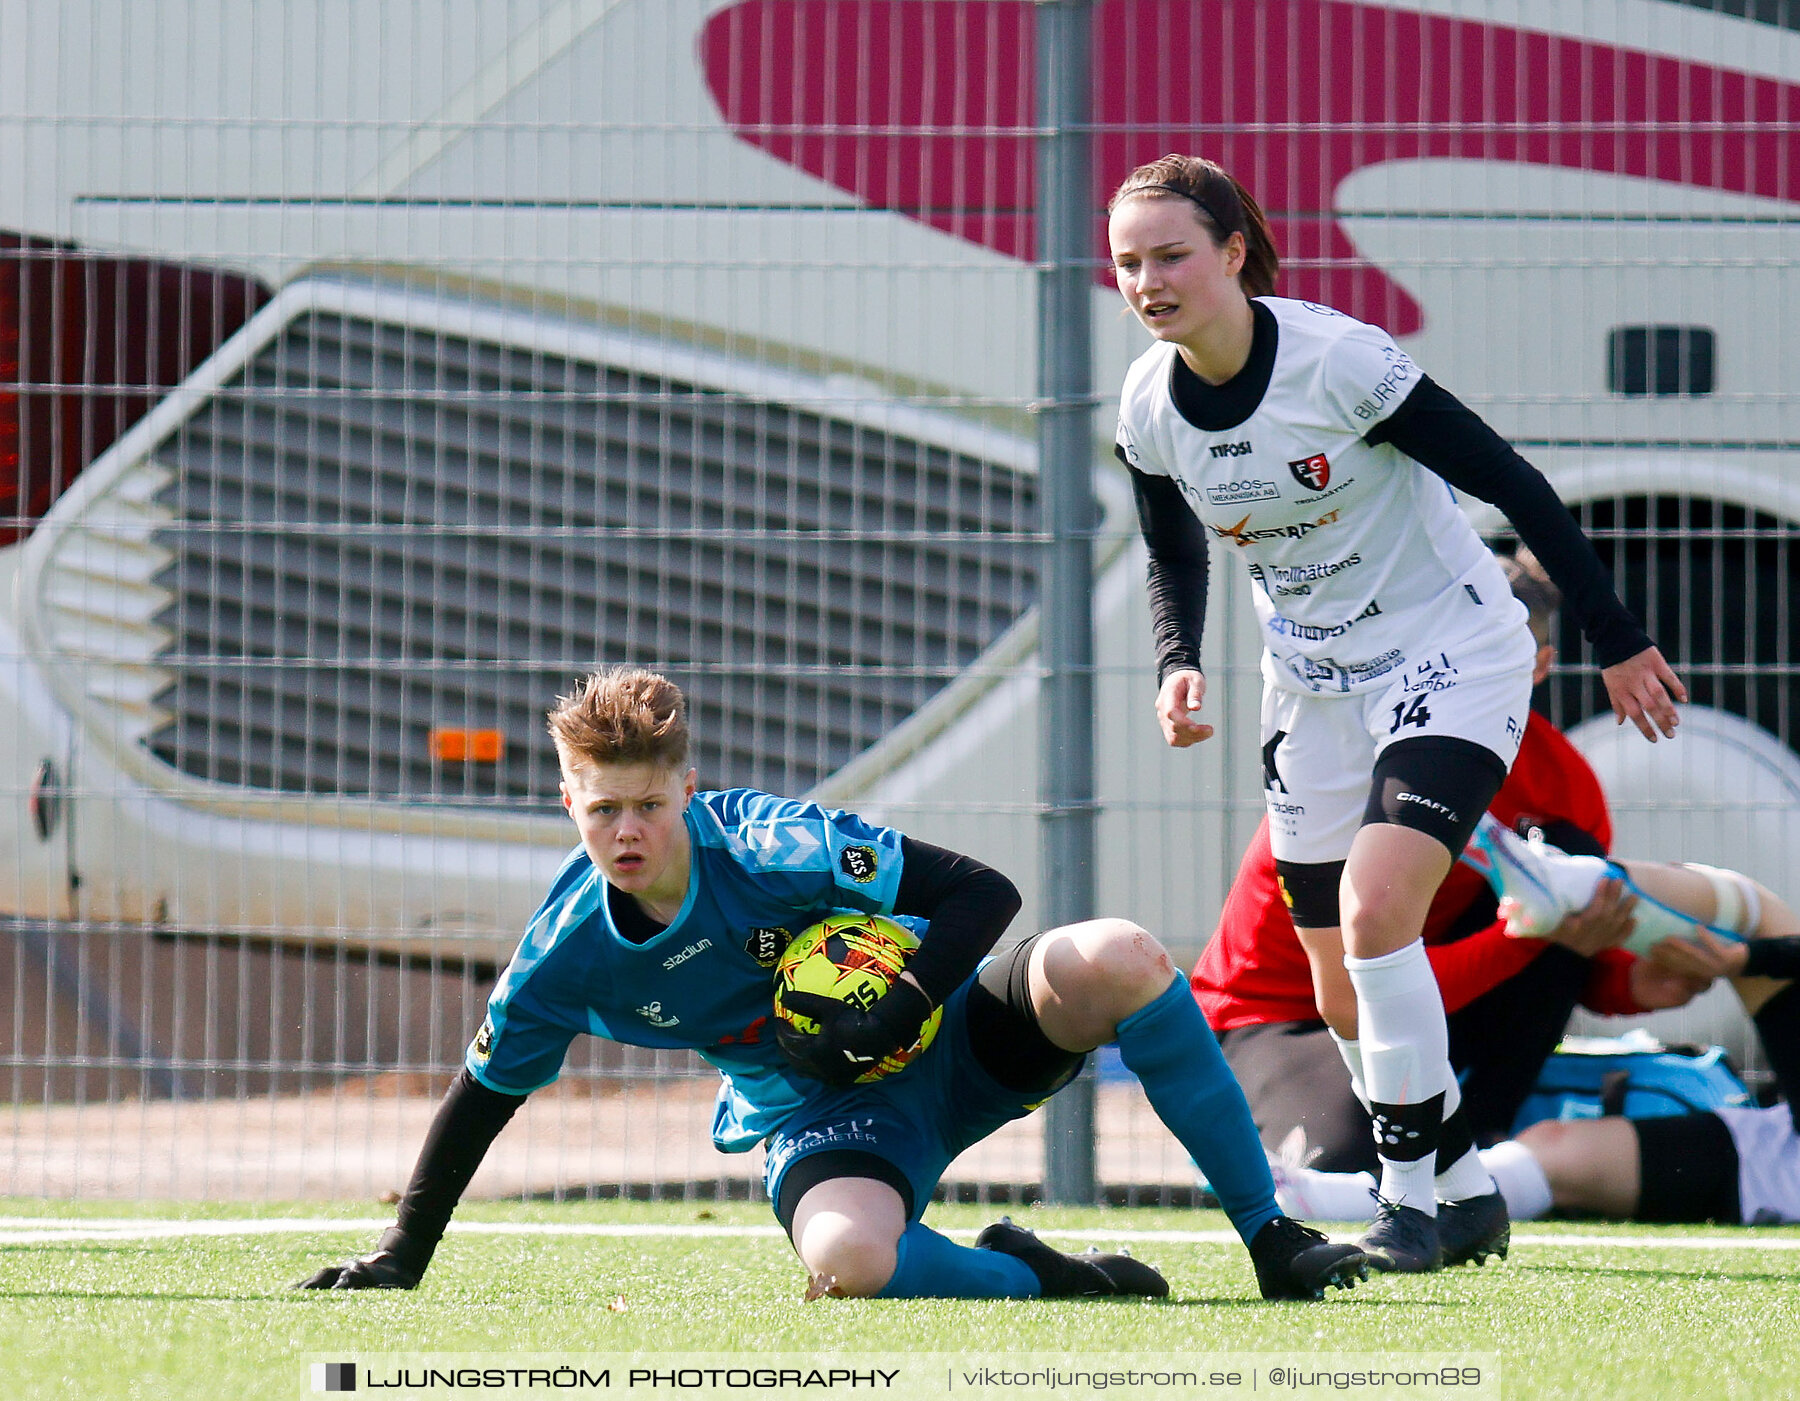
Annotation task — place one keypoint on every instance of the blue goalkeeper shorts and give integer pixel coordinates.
(917, 1121)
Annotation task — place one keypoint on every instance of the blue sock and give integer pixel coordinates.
(1172, 1051)
(928, 1266)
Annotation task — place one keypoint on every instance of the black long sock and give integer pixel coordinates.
(1778, 1028)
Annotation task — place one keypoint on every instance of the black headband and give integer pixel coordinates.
(1205, 208)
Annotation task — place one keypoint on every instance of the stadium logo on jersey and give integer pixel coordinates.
(484, 1041)
(676, 960)
(1231, 493)
(1243, 538)
(652, 1012)
(859, 863)
(767, 945)
(1313, 473)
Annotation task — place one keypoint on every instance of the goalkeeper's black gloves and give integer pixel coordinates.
(851, 1041)
(397, 1262)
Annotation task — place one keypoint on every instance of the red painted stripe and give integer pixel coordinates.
(925, 110)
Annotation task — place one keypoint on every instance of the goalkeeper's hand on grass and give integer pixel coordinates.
(851, 1041)
(397, 1262)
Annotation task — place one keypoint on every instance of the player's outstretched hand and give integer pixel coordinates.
(1644, 690)
(851, 1041)
(395, 1263)
(1178, 709)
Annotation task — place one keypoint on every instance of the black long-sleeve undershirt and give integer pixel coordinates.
(1177, 572)
(465, 1125)
(969, 905)
(1438, 431)
(1435, 429)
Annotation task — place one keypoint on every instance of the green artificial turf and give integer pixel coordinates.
(1636, 1315)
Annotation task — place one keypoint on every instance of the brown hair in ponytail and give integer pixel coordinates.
(1225, 207)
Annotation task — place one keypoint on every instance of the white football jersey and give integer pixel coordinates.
(1361, 558)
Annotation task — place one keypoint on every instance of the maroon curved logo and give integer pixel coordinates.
(926, 110)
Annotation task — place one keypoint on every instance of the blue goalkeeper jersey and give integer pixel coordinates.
(762, 869)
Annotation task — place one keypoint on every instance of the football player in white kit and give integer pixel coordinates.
(1396, 665)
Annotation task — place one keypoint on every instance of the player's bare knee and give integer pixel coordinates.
(1556, 1147)
(1086, 978)
(1107, 960)
(847, 1231)
(849, 1264)
(1378, 918)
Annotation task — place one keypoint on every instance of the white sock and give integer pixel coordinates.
(1520, 1178)
(1405, 1054)
(1351, 1052)
(1465, 1177)
(1311, 1195)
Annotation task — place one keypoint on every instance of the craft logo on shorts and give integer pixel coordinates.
(483, 1048)
(859, 863)
(767, 945)
(1313, 473)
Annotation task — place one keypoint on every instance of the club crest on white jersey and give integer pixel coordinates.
(1359, 554)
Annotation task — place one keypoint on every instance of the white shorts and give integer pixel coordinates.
(1768, 1152)
(1319, 750)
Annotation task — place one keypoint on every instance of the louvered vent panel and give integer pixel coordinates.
(379, 530)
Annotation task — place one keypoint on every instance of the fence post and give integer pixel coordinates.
(1065, 464)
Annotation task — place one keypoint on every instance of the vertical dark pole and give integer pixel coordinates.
(1065, 464)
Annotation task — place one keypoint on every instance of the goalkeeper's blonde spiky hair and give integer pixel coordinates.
(622, 715)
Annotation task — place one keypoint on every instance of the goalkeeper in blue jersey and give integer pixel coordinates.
(663, 928)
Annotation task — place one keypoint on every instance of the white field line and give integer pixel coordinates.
(33, 1230)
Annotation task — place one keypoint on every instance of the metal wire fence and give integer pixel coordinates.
(368, 373)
